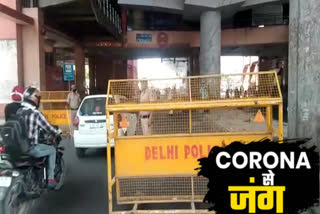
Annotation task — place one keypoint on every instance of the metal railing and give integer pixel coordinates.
(54, 107)
(107, 15)
(160, 128)
(258, 20)
(269, 20)
(29, 3)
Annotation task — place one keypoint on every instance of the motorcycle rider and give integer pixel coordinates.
(35, 121)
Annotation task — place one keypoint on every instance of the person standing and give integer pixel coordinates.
(145, 116)
(127, 121)
(73, 102)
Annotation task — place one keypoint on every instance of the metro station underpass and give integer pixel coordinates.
(105, 39)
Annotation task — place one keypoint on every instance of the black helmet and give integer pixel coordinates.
(29, 93)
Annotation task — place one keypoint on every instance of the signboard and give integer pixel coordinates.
(143, 38)
(163, 39)
(68, 72)
(57, 117)
(174, 155)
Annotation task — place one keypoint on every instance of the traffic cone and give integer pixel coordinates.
(259, 117)
(223, 144)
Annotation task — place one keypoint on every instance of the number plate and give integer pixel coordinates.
(5, 181)
(96, 126)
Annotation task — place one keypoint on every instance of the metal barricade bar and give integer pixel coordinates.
(54, 107)
(189, 116)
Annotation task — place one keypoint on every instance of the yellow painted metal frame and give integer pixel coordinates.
(189, 105)
(49, 97)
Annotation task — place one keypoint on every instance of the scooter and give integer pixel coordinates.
(25, 178)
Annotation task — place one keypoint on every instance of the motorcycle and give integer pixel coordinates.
(24, 178)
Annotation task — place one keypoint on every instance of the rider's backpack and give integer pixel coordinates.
(14, 134)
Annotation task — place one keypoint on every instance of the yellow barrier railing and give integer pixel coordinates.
(54, 107)
(162, 127)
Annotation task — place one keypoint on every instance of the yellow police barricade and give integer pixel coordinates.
(54, 108)
(173, 123)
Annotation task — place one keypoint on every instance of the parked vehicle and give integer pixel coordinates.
(90, 129)
(25, 178)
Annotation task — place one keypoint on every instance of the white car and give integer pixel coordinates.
(90, 125)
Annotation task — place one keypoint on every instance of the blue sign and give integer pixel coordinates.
(68, 72)
(143, 37)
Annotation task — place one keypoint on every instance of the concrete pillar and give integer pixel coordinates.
(210, 42)
(19, 48)
(20, 56)
(304, 79)
(195, 66)
(132, 69)
(80, 68)
(194, 62)
(304, 63)
(104, 72)
(33, 52)
(92, 75)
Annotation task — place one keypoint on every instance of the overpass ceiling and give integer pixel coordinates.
(191, 9)
(48, 3)
(185, 14)
(192, 12)
(76, 19)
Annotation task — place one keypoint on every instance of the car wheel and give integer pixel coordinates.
(80, 152)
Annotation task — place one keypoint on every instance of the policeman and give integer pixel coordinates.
(146, 116)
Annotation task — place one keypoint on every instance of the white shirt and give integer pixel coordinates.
(74, 100)
(145, 96)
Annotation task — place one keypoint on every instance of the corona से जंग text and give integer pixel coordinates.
(261, 197)
(267, 196)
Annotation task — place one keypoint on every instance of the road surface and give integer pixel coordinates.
(85, 189)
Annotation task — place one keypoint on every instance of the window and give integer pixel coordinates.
(93, 107)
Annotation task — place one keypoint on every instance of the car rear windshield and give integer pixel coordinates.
(93, 107)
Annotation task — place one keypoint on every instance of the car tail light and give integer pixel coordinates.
(76, 123)
(2, 150)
